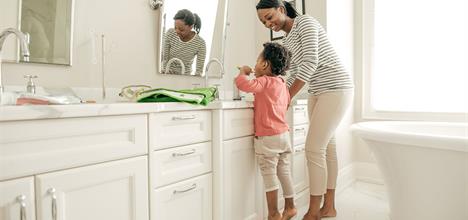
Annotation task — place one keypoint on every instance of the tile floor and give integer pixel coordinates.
(361, 201)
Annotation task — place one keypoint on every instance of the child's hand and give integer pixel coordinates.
(246, 70)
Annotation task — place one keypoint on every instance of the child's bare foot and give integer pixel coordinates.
(308, 216)
(288, 213)
(327, 212)
(274, 216)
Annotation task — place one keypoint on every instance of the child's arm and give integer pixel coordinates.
(246, 85)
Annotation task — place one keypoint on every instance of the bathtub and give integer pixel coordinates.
(424, 166)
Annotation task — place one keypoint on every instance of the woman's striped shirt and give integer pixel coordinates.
(314, 60)
(185, 51)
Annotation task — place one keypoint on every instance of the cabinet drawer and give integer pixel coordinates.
(175, 164)
(179, 128)
(300, 114)
(299, 134)
(38, 146)
(190, 199)
(238, 123)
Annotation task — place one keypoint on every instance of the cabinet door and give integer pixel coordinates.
(243, 189)
(299, 169)
(115, 190)
(17, 199)
(190, 199)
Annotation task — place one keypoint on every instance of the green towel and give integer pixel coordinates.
(200, 96)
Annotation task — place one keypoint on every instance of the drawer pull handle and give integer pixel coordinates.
(299, 150)
(194, 186)
(192, 151)
(180, 118)
(299, 129)
(22, 201)
(299, 108)
(51, 191)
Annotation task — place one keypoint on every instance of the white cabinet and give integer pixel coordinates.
(89, 168)
(298, 123)
(238, 123)
(190, 199)
(38, 146)
(238, 187)
(17, 199)
(181, 165)
(171, 129)
(242, 185)
(299, 168)
(114, 190)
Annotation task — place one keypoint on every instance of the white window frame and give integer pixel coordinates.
(367, 111)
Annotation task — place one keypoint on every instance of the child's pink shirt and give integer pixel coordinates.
(270, 104)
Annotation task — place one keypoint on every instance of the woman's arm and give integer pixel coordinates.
(296, 87)
(167, 48)
(201, 56)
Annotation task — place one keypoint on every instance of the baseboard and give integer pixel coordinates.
(358, 171)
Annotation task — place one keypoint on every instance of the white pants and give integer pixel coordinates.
(325, 113)
(273, 154)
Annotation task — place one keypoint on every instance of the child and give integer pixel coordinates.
(272, 142)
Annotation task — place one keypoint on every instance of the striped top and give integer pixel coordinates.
(185, 51)
(314, 60)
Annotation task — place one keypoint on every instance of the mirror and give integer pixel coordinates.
(189, 39)
(49, 25)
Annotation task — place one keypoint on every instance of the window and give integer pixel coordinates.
(416, 58)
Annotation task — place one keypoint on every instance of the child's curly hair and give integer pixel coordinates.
(278, 56)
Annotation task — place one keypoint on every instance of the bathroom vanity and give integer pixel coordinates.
(127, 161)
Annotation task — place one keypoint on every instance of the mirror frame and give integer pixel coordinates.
(160, 34)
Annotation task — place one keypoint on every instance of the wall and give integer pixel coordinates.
(130, 29)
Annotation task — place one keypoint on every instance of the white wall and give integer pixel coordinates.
(130, 28)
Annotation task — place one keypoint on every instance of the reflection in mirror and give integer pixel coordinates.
(183, 43)
(49, 26)
(187, 35)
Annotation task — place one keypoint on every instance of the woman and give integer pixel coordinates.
(314, 61)
(183, 43)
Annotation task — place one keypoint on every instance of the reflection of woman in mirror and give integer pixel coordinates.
(184, 43)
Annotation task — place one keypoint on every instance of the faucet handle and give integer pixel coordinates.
(30, 77)
(30, 86)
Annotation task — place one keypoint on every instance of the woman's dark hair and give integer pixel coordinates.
(290, 10)
(277, 56)
(189, 18)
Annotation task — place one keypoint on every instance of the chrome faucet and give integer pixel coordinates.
(23, 44)
(30, 86)
(168, 65)
(214, 60)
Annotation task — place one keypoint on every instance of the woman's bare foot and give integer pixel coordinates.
(327, 212)
(274, 216)
(309, 216)
(288, 213)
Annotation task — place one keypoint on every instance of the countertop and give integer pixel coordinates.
(32, 112)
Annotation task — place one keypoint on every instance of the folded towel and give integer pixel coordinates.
(201, 96)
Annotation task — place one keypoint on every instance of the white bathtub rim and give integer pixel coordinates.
(365, 130)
